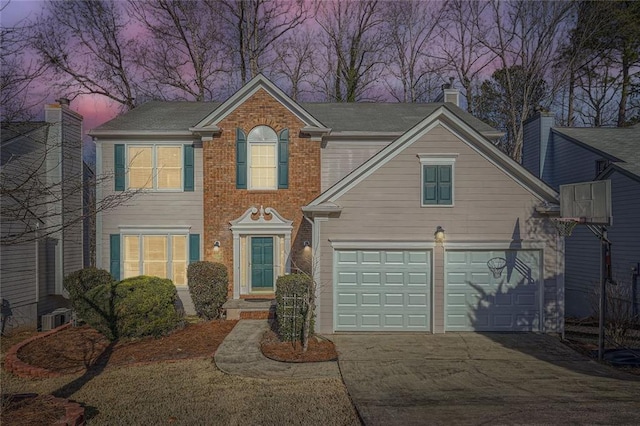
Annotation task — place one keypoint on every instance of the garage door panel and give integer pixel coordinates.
(382, 290)
(417, 300)
(418, 279)
(347, 278)
(476, 300)
(370, 278)
(347, 299)
(371, 299)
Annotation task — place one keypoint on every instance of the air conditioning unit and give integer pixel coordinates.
(56, 319)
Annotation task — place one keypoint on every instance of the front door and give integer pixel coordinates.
(262, 263)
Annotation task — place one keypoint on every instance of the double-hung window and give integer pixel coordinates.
(437, 178)
(155, 167)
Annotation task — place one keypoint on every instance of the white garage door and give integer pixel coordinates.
(382, 290)
(476, 300)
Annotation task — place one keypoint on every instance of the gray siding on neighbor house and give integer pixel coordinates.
(339, 158)
(488, 206)
(72, 172)
(567, 162)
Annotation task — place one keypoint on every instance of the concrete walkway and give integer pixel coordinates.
(474, 378)
(240, 355)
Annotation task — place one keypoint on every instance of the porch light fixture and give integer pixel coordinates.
(216, 245)
(439, 234)
(306, 244)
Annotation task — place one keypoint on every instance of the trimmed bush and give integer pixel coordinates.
(292, 292)
(78, 283)
(208, 283)
(135, 307)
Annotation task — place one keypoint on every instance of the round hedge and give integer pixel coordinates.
(134, 307)
(78, 283)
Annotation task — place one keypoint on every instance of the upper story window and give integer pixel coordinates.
(155, 167)
(437, 178)
(159, 167)
(262, 159)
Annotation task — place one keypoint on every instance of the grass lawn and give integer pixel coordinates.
(195, 392)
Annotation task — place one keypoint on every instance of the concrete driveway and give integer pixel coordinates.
(472, 378)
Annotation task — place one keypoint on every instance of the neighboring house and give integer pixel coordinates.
(41, 211)
(562, 155)
(353, 192)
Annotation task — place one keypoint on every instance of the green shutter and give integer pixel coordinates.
(283, 159)
(119, 167)
(445, 184)
(194, 248)
(188, 168)
(430, 185)
(114, 249)
(241, 159)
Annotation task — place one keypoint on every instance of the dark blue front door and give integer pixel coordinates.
(262, 263)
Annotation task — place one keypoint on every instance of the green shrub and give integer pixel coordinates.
(134, 307)
(292, 294)
(208, 284)
(78, 283)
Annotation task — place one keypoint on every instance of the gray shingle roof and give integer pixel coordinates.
(340, 117)
(159, 115)
(11, 130)
(621, 143)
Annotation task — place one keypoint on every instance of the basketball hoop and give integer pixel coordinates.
(496, 265)
(565, 225)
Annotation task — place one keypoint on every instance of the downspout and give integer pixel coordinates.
(315, 263)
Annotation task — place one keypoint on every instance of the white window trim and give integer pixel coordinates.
(446, 159)
(275, 145)
(154, 166)
(159, 232)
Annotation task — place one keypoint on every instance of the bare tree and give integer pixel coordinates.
(295, 61)
(19, 73)
(354, 48)
(41, 184)
(599, 89)
(524, 37)
(85, 43)
(253, 27)
(183, 54)
(410, 27)
(462, 52)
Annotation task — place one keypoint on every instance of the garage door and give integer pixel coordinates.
(382, 290)
(476, 300)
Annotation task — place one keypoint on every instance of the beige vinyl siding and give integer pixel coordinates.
(152, 208)
(339, 158)
(488, 206)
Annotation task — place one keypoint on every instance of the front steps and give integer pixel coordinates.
(250, 308)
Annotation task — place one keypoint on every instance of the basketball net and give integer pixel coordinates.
(565, 225)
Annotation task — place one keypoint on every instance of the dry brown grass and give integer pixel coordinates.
(196, 392)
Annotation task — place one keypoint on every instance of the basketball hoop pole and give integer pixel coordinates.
(605, 277)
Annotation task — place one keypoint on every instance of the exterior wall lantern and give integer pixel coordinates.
(216, 246)
(439, 234)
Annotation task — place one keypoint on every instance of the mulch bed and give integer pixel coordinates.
(78, 348)
(319, 349)
(32, 410)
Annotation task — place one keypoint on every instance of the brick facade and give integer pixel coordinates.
(223, 202)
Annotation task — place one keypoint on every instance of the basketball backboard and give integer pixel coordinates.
(589, 201)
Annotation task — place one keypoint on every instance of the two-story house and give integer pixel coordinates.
(561, 155)
(41, 213)
(407, 215)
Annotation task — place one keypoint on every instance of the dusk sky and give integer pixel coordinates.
(95, 110)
